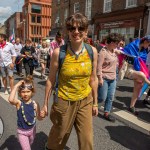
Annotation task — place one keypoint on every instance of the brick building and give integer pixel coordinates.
(61, 9)
(127, 17)
(36, 19)
(12, 24)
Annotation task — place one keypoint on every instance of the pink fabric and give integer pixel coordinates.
(144, 68)
(55, 45)
(26, 137)
(107, 63)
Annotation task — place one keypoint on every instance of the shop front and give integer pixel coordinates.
(126, 28)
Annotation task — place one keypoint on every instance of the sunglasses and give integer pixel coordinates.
(28, 86)
(73, 29)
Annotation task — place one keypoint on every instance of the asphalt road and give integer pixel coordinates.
(107, 136)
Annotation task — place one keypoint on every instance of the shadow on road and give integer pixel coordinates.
(129, 138)
(124, 88)
(11, 143)
(39, 141)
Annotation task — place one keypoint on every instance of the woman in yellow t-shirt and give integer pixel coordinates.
(77, 89)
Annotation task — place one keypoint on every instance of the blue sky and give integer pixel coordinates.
(8, 7)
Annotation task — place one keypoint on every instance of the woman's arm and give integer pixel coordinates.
(50, 81)
(101, 58)
(94, 83)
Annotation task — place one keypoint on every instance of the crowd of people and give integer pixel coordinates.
(82, 74)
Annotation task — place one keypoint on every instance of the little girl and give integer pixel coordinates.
(27, 112)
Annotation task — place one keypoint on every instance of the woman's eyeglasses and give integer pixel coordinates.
(73, 29)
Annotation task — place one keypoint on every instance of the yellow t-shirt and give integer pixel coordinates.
(74, 77)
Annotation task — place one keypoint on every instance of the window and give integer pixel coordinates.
(131, 3)
(65, 14)
(38, 19)
(58, 1)
(107, 5)
(33, 20)
(88, 9)
(76, 7)
(57, 21)
(36, 9)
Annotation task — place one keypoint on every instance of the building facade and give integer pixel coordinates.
(61, 9)
(12, 24)
(36, 19)
(131, 18)
(127, 17)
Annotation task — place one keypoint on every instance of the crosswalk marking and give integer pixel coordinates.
(134, 120)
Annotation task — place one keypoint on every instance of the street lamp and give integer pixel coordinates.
(24, 25)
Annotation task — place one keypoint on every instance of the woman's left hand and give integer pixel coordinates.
(95, 111)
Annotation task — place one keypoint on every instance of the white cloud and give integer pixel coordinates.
(5, 12)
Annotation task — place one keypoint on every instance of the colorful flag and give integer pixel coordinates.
(12, 37)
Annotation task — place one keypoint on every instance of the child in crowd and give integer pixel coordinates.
(27, 111)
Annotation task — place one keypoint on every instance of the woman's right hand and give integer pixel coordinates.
(100, 82)
(44, 111)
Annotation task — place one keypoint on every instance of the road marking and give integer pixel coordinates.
(145, 127)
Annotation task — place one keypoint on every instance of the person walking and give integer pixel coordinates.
(43, 57)
(28, 53)
(27, 112)
(19, 59)
(77, 89)
(7, 62)
(106, 72)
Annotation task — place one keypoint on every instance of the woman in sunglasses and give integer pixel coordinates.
(77, 89)
(27, 112)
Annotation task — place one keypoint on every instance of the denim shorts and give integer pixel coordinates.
(6, 71)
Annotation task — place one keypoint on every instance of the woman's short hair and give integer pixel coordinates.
(113, 37)
(77, 18)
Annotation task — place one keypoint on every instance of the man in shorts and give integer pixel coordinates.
(7, 61)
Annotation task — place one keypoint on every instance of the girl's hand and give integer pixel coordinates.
(20, 83)
(44, 111)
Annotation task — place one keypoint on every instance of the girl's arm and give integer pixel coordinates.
(38, 111)
(12, 95)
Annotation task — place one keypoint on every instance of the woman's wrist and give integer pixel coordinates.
(95, 105)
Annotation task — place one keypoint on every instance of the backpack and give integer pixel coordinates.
(62, 55)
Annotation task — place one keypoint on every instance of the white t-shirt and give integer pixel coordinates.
(6, 54)
(18, 48)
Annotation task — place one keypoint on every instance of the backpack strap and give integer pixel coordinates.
(90, 51)
(62, 55)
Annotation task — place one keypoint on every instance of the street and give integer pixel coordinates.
(128, 132)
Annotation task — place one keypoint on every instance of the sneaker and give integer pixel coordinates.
(21, 75)
(146, 102)
(110, 118)
(133, 111)
(6, 92)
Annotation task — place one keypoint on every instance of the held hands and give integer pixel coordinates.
(44, 111)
